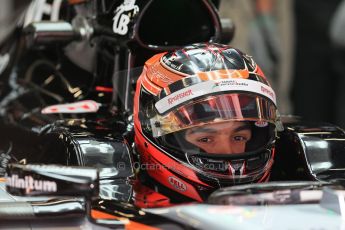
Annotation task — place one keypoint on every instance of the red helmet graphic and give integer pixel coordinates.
(205, 117)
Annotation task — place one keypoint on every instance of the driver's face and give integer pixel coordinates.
(228, 137)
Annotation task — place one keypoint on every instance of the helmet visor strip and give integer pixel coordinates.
(193, 87)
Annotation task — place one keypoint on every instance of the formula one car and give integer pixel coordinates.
(308, 195)
(66, 129)
(107, 194)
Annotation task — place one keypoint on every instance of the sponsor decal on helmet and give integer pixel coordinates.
(154, 73)
(261, 124)
(267, 91)
(176, 183)
(170, 63)
(229, 82)
(179, 96)
(123, 15)
(30, 184)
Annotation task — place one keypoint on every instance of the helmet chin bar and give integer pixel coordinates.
(233, 170)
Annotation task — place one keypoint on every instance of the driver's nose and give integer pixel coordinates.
(224, 145)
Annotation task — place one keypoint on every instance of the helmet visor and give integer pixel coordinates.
(215, 109)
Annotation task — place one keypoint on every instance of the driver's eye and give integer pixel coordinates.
(204, 140)
(240, 138)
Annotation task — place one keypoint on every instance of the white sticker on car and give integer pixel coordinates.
(43, 8)
(30, 184)
(123, 15)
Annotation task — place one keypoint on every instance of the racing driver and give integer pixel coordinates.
(205, 117)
